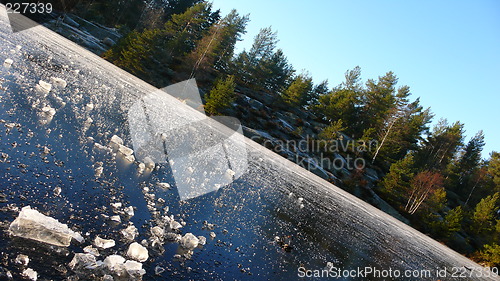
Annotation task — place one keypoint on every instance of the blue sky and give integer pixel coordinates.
(448, 52)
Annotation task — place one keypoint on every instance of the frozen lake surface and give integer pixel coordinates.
(50, 162)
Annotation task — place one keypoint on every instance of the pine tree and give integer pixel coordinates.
(396, 183)
(221, 97)
(483, 217)
(297, 94)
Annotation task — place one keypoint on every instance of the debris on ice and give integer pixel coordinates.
(189, 241)
(104, 243)
(31, 274)
(31, 224)
(58, 82)
(22, 259)
(137, 252)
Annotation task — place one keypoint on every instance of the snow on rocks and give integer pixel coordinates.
(189, 241)
(104, 243)
(137, 252)
(31, 224)
(58, 82)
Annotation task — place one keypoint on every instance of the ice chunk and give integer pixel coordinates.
(130, 158)
(130, 232)
(149, 163)
(57, 190)
(141, 168)
(134, 269)
(171, 236)
(31, 224)
(89, 106)
(129, 211)
(163, 185)
(8, 63)
(43, 87)
(125, 150)
(157, 231)
(116, 219)
(91, 250)
(58, 82)
(137, 252)
(116, 140)
(189, 241)
(22, 259)
(159, 270)
(30, 274)
(98, 171)
(202, 240)
(114, 263)
(49, 111)
(104, 243)
(82, 262)
(212, 235)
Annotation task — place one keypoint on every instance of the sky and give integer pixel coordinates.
(448, 52)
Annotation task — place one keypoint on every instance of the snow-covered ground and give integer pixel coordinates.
(60, 108)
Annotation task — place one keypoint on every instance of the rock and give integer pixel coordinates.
(189, 241)
(31, 224)
(22, 259)
(108, 42)
(134, 269)
(137, 252)
(130, 233)
(58, 82)
(104, 243)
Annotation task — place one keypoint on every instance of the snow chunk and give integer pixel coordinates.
(104, 243)
(58, 82)
(31, 224)
(189, 241)
(31, 274)
(137, 252)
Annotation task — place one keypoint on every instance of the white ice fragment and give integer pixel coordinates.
(190, 170)
(31, 274)
(116, 218)
(83, 261)
(22, 259)
(91, 250)
(58, 82)
(159, 270)
(137, 252)
(163, 185)
(114, 263)
(150, 164)
(130, 232)
(175, 225)
(212, 235)
(43, 87)
(57, 191)
(230, 173)
(202, 240)
(130, 158)
(103, 243)
(31, 224)
(125, 150)
(134, 269)
(89, 106)
(116, 140)
(49, 111)
(141, 167)
(157, 231)
(98, 171)
(116, 205)
(171, 236)
(129, 211)
(189, 241)
(8, 63)
(300, 200)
